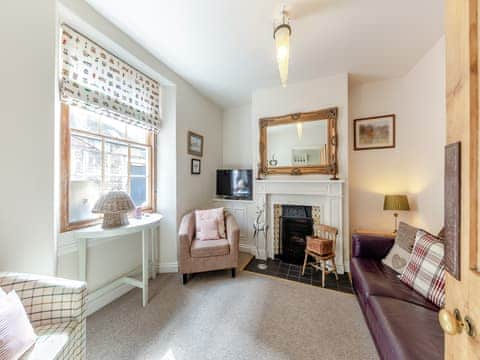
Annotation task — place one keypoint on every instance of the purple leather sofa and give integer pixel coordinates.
(403, 323)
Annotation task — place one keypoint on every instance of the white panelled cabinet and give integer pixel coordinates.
(244, 213)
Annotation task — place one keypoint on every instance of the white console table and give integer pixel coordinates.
(146, 223)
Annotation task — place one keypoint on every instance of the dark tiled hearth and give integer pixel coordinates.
(283, 270)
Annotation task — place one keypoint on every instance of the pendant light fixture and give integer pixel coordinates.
(281, 34)
(299, 130)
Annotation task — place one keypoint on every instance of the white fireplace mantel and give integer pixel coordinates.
(302, 187)
(326, 194)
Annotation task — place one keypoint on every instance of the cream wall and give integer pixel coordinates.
(28, 224)
(198, 115)
(240, 125)
(237, 137)
(27, 142)
(415, 166)
(305, 96)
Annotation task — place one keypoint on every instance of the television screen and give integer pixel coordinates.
(234, 183)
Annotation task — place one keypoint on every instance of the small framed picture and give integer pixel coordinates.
(195, 168)
(195, 144)
(376, 132)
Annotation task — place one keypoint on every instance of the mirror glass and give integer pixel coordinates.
(298, 144)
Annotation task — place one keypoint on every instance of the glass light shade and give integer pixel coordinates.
(299, 130)
(282, 43)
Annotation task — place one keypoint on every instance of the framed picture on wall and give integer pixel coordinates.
(195, 166)
(452, 208)
(375, 132)
(195, 144)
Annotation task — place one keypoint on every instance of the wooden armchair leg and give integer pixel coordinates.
(234, 272)
(185, 278)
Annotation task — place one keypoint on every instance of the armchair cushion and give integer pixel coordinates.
(204, 215)
(201, 249)
(209, 230)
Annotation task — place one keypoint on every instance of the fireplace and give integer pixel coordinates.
(296, 223)
(325, 197)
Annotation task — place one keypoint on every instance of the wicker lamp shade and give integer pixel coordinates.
(114, 206)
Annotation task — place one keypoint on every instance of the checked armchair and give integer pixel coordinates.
(56, 309)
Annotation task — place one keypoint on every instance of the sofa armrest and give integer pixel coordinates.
(47, 300)
(371, 246)
(186, 234)
(233, 233)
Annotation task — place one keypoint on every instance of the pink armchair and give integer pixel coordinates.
(205, 255)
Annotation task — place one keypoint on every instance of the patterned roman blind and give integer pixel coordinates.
(96, 80)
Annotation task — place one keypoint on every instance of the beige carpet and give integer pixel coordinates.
(217, 317)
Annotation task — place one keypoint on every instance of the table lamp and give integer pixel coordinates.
(396, 203)
(114, 206)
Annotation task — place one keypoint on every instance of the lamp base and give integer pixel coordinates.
(396, 223)
(112, 220)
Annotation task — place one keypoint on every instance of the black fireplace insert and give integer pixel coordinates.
(296, 224)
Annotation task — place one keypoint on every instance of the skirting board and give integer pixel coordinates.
(249, 249)
(109, 293)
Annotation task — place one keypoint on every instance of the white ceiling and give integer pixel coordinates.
(225, 48)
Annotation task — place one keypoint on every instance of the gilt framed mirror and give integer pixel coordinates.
(299, 144)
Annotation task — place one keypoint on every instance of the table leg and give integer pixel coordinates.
(153, 233)
(145, 268)
(82, 259)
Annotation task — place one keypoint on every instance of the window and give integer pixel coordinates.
(101, 154)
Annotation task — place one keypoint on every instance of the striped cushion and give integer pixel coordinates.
(16, 332)
(425, 272)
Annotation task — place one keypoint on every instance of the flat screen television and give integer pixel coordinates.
(234, 184)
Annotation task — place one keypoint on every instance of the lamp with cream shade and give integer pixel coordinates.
(396, 203)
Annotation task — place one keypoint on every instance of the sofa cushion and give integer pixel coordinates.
(209, 248)
(370, 277)
(403, 330)
(425, 271)
(399, 254)
(406, 236)
(397, 258)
